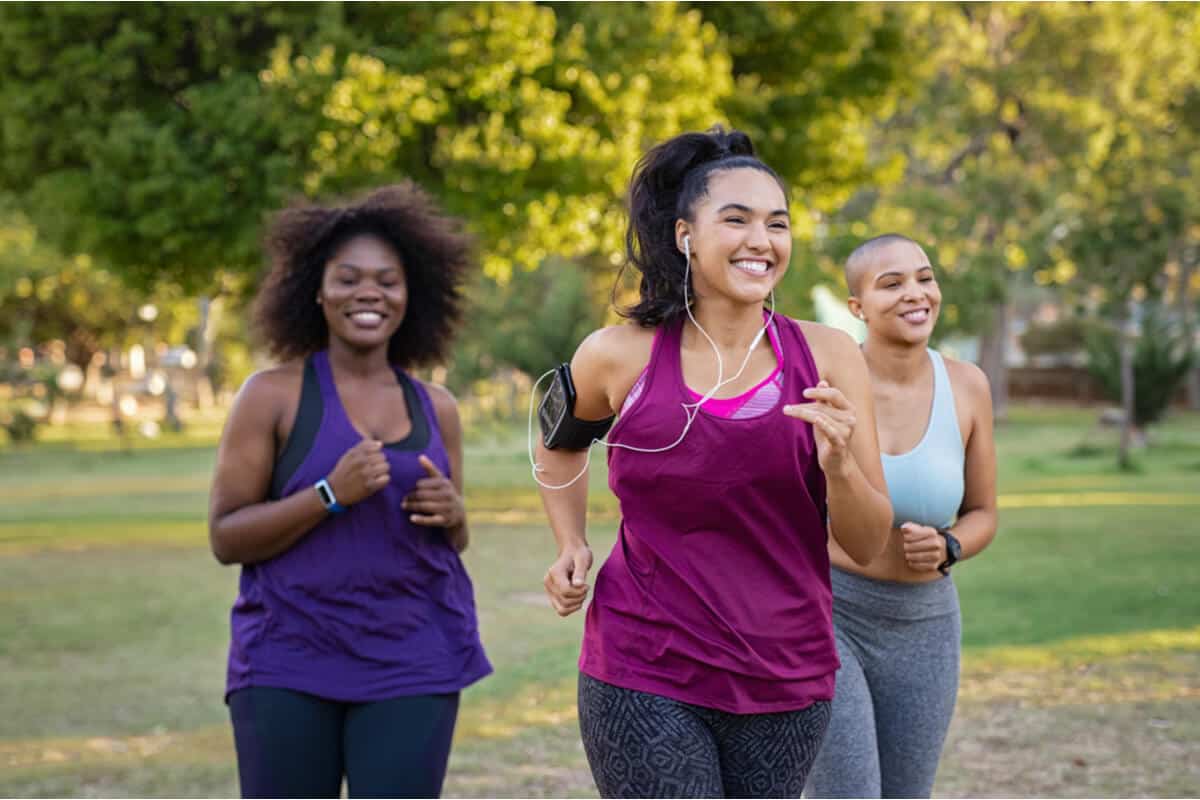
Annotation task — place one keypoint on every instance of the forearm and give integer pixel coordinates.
(566, 508)
(975, 531)
(263, 530)
(860, 516)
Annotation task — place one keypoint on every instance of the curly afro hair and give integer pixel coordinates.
(432, 246)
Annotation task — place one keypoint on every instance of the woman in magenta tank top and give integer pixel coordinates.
(708, 658)
(338, 488)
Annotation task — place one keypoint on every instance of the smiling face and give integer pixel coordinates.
(363, 292)
(897, 293)
(741, 238)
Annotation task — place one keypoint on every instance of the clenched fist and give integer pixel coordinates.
(361, 472)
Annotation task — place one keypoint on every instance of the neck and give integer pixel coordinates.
(900, 363)
(731, 326)
(357, 363)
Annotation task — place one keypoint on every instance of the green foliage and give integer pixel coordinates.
(1161, 359)
(155, 138)
(531, 323)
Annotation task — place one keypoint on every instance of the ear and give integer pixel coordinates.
(681, 230)
(855, 307)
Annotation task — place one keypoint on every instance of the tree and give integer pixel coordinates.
(156, 138)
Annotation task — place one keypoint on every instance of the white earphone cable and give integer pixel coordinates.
(690, 410)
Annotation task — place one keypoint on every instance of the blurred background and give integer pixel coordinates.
(1046, 155)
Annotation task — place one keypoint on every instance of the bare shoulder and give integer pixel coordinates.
(616, 344)
(442, 399)
(272, 388)
(266, 402)
(970, 379)
(607, 364)
(833, 350)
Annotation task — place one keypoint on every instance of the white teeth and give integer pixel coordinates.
(919, 315)
(369, 317)
(757, 267)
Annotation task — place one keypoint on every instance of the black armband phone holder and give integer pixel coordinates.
(556, 415)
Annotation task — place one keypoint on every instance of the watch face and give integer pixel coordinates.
(953, 547)
(324, 493)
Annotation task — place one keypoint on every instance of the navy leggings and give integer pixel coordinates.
(291, 744)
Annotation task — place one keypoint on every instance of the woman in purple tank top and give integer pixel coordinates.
(338, 488)
(708, 657)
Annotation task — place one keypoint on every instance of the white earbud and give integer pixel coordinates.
(687, 247)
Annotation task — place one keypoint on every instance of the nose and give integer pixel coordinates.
(368, 292)
(757, 238)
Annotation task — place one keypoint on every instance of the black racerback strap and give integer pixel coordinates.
(304, 431)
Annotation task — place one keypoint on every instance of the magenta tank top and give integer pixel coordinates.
(717, 590)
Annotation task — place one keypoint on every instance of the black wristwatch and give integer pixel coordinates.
(953, 551)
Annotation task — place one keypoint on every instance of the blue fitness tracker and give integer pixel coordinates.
(328, 499)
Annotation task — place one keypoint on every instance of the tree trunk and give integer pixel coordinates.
(210, 319)
(1188, 316)
(993, 348)
(1124, 460)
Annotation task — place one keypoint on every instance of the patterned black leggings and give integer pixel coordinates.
(645, 745)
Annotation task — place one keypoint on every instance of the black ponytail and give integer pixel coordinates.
(667, 182)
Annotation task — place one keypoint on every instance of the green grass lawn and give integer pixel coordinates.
(114, 622)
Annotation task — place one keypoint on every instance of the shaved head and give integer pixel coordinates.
(867, 255)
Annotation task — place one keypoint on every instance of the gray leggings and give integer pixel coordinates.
(645, 745)
(899, 646)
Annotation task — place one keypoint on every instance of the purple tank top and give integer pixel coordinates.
(717, 590)
(365, 606)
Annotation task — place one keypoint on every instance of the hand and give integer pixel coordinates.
(434, 501)
(833, 420)
(566, 580)
(924, 547)
(361, 472)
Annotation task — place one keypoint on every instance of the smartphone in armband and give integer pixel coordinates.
(556, 416)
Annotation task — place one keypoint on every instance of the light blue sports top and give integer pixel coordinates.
(926, 483)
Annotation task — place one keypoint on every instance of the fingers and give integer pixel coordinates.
(809, 411)
(836, 426)
(824, 393)
(582, 562)
(924, 548)
(565, 598)
(431, 520)
(566, 580)
(430, 468)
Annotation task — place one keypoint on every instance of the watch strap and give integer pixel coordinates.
(953, 547)
(328, 498)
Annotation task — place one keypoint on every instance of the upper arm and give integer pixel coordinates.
(246, 453)
(446, 408)
(979, 471)
(841, 363)
(605, 367)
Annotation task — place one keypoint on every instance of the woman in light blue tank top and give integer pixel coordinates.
(896, 620)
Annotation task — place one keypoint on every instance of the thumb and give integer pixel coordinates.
(909, 527)
(429, 466)
(583, 562)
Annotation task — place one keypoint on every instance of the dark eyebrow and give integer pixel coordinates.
(747, 210)
(357, 268)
